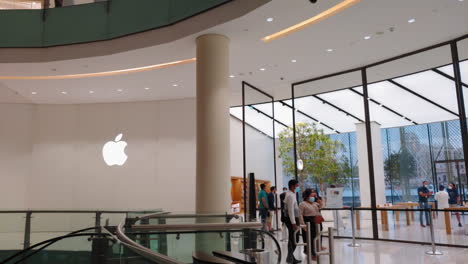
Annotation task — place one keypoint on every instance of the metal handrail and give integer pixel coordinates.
(199, 227)
(75, 211)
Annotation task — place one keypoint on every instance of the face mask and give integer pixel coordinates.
(312, 199)
(450, 187)
(298, 189)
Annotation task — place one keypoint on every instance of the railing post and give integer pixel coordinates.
(353, 229)
(433, 251)
(97, 222)
(331, 243)
(309, 244)
(27, 230)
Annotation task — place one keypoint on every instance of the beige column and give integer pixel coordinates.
(213, 160)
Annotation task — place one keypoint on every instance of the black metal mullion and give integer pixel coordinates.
(274, 160)
(420, 96)
(370, 155)
(338, 108)
(243, 152)
(294, 134)
(309, 116)
(461, 102)
(385, 107)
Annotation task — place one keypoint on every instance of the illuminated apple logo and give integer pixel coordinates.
(113, 152)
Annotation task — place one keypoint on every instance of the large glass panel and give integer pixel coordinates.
(181, 245)
(48, 225)
(329, 125)
(11, 233)
(259, 143)
(413, 106)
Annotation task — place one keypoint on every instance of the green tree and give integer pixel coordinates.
(318, 153)
(399, 168)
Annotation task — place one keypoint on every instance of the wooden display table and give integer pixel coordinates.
(412, 205)
(448, 224)
(384, 215)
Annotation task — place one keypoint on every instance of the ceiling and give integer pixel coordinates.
(436, 21)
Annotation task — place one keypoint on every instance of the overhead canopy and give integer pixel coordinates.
(419, 98)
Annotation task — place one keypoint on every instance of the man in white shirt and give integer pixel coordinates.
(442, 198)
(292, 219)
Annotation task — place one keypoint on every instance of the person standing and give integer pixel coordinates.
(271, 207)
(424, 194)
(282, 197)
(263, 205)
(442, 198)
(454, 199)
(292, 219)
(308, 210)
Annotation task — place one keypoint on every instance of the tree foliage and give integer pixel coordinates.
(399, 168)
(318, 152)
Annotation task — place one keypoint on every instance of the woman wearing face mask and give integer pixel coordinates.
(454, 199)
(309, 212)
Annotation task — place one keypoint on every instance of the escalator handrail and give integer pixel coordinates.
(201, 226)
(45, 244)
(141, 250)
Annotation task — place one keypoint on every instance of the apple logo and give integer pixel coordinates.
(113, 152)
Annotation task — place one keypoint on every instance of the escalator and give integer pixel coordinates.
(156, 238)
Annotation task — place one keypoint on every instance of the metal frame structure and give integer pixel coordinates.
(363, 69)
(244, 86)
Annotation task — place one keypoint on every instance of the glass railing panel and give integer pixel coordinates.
(49, 225)
(112, 219)
(180, 246)
(40, 4)
(11, 233)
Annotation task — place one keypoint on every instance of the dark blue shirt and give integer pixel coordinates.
(271, 201)
(424, 190)
(453, 195)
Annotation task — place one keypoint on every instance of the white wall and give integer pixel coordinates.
(15, 154)
(50, 155)
(259, 153)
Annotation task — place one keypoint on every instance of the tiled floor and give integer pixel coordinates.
(380, 252)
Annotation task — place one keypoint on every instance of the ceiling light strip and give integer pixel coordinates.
(101, 74)
(313, 20)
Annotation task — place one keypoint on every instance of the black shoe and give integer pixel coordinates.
(296, 261)
(459, 224)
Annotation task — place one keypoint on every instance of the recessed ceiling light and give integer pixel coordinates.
(33, 92)
(91, 92)
(63, 92)
(231, 76)
(270, 19)
(313, 20)
(262, 69)
(367, 37)
(460, 0)
(175, 85)
(293, 60)
(329, 50)
(147, 88)
(412, 20)
(119, 90)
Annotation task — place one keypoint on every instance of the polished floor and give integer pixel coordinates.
(381, 252)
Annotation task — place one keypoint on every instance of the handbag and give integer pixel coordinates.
(318, 219)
